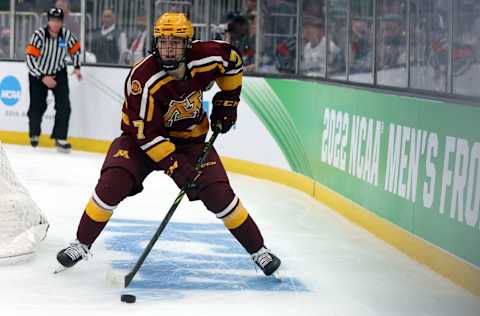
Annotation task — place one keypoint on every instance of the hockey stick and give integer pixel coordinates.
(129, 277)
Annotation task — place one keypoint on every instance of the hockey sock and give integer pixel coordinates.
(248, 235)
(112, 187)
(243, 228)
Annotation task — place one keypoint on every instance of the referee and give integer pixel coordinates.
(46, 54)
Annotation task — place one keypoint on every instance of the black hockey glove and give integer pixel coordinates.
(224, 111)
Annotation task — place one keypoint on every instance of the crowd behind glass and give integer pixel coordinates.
(422, 45)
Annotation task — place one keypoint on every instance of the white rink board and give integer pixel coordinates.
(96, 113)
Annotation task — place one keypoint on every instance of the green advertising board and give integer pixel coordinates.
(412, 161)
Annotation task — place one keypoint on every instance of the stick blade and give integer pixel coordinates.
(128, 278)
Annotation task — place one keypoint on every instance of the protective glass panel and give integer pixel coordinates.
(337, 35)
(111, 27)
(278, 37)
(28, 18)
(466, 47)
(361, 42)
(5, 29)
(391, 57)
(313, 57)
(429, 44)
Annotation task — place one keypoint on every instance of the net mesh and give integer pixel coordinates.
(22, 224)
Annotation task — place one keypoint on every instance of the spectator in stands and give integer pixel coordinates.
(279, 19)
(238, 31)
(313, 59)
(250, 6)
(109, 43)
(313, 8)
(361, 48)
(285, 53)
(393, 6)
(70, 22)
(391, 48)
(249, 53)
(5, 43)
(138, 47)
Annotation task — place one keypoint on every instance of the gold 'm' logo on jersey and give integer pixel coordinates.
(169, 171)
(190, 107)
(122, 153)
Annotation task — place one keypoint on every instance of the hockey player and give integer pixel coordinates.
(164, 127)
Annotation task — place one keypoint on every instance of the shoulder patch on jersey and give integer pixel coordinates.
(135, 87)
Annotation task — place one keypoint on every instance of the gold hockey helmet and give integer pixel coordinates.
(173, 24)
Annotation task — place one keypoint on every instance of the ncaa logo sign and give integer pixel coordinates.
(10, 91)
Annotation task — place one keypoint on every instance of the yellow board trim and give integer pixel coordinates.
(161, 150)
(228, 83)
(97, 213)
(236, 218)
(455, 269)
(78, 143)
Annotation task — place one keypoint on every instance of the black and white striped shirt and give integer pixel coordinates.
(46, 55)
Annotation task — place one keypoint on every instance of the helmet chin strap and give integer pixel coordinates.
(170, 65)
(175, 68)
(179, 72)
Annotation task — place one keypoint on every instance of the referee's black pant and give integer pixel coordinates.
(38, 105)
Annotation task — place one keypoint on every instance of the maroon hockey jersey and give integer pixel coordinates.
(160, 111)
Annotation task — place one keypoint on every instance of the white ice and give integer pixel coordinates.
(330, 266)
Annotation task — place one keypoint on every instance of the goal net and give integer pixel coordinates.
(22, 224)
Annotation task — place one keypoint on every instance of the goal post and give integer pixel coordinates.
(22, 223)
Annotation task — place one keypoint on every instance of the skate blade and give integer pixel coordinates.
(59, 269)
(277, 276)
(63, 150)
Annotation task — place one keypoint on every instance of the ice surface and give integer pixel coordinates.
(331, 267)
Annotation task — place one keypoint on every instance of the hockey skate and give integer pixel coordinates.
(74, 253)
(34, 141)
(63, 146)
(266, 260)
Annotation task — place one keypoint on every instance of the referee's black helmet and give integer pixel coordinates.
(56, 13)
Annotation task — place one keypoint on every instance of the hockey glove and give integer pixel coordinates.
(181, 171)
(224, 111)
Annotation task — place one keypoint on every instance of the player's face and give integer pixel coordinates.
(171, 48)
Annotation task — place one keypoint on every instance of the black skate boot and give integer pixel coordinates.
(266, 260)
(63, 146)
(75, 252)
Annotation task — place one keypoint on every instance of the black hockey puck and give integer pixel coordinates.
(128, 298)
